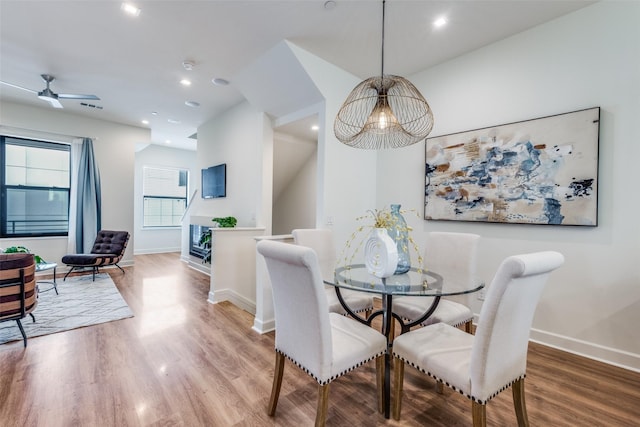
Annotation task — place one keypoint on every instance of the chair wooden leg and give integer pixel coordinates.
(519, 403)
(398, 380)
(277, 382)
(380, 382)
(323, 404)
(479, 412)
(468, 327)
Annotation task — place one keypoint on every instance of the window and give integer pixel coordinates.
(165, 196)
(34, 195)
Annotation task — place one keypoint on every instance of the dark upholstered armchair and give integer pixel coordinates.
(108, 249)
(18, 290)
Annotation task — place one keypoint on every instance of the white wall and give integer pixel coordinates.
(346, 176)
(586, 59)
(114, 148)
(236, 138)
(156, 240)
(242, 138)
(295, 205)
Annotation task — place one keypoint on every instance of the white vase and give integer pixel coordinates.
(380, 254)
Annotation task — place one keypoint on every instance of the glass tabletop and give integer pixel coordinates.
(43, 266)
(416, 282)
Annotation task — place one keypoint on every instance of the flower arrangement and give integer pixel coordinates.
(381, 218)
(377, 218)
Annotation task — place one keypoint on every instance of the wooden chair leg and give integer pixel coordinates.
(380, 382)
(323, 404)
(468, 327)
(479, 412)
(277, 382)
(519, 403)
(398, 380)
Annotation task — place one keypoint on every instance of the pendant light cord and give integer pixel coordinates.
(382, 65)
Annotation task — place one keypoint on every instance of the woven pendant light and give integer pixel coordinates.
(383, 112)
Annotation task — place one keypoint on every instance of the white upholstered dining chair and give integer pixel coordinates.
(482, 365)
(453, 256)
(325, 345)
(321, 241)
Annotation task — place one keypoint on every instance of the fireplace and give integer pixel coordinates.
(195, 248)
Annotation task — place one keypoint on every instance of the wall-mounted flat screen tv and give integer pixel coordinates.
(214, 181)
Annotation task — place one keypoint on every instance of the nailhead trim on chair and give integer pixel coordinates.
(455, 325)
(463, 322)
(334, 377)
(474, 399)
(345, 314)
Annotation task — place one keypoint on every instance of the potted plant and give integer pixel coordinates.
(205, 237)
(22, 249)
(225, 222)
(205, 242)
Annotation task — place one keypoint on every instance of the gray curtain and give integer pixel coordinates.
(88, 214)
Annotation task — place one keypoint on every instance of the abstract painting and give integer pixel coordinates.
(540, 171)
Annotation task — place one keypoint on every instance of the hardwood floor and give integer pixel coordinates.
(181, 361)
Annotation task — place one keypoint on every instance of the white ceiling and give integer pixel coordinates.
(134, 64)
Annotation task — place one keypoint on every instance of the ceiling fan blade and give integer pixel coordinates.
(18, 87)
(77, 96)
(53, 101)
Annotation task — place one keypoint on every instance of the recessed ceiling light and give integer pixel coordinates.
(329, 5)
(220, 82)
(440, 22)
(188, 65)
(168, 141)
(154, 113)
(314, 127)
(185, 82)
(174, 121)
(130, 9)
(193, 104)
(145, 122)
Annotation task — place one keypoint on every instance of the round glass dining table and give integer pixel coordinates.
(416, 282)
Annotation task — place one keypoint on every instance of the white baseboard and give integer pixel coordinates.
(234, 298)
(155, 251)
(264, 327)
(200, 269)
(608, 355)
(589, 350)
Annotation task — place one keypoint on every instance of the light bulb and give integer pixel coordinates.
(382, 120)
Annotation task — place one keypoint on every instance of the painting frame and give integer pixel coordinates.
(542, 171)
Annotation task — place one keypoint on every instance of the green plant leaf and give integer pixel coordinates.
(226, 222)
(23, 250)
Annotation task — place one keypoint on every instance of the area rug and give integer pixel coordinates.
(80, 302)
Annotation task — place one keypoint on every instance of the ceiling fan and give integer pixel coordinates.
(48, 95)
